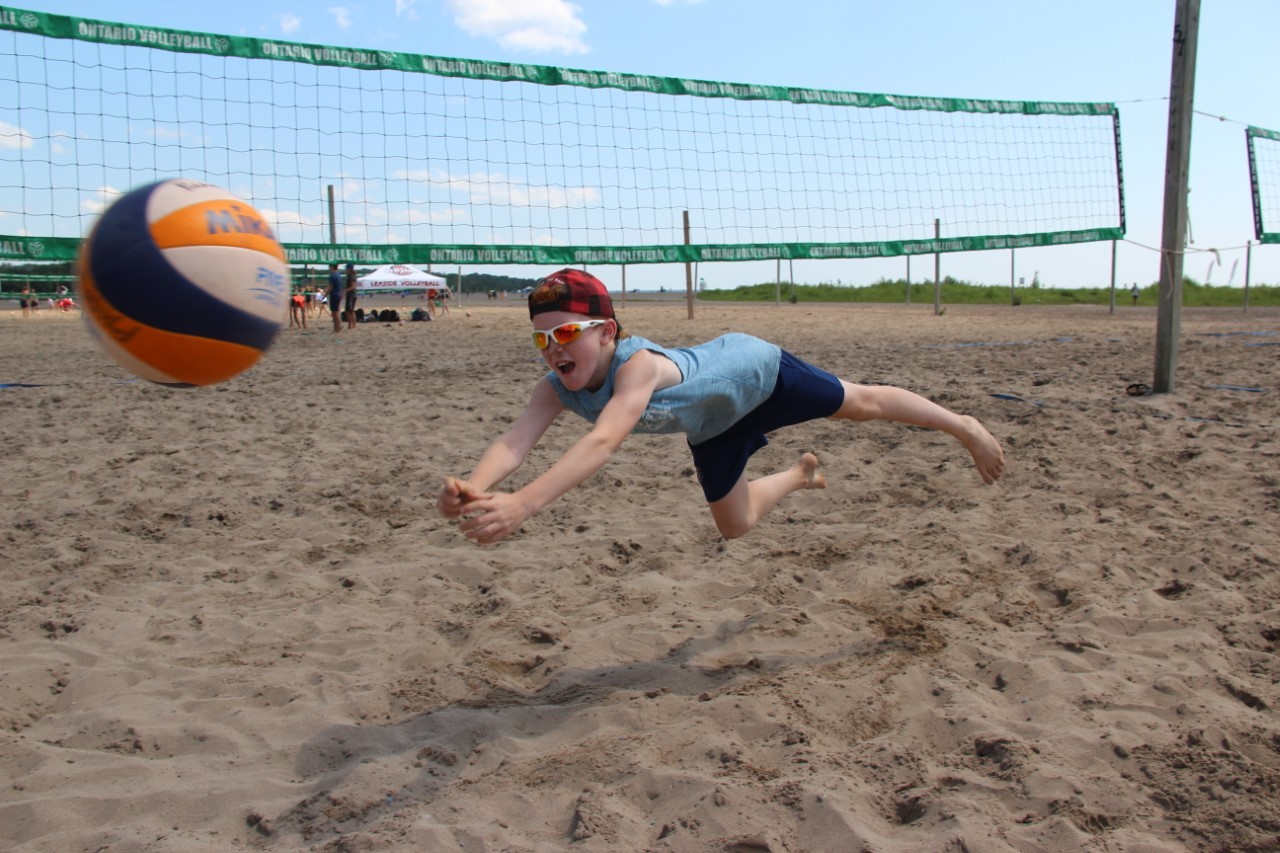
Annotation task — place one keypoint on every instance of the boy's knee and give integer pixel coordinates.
(860, 403)
(731, 529)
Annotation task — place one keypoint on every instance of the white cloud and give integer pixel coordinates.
(288, 22)
(351, 189)
(341, 16)
(448, 216)
(405, 8)
(523, 25)
(12, 136)
(100, 200)
(498, 189)
(290, 225)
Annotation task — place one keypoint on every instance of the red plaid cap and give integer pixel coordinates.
(573, 291)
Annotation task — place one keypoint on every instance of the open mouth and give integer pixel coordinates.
(564, 368)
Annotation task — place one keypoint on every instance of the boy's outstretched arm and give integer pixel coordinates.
(505, 454)
(494, 516)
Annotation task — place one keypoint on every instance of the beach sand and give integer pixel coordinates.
(231, 618)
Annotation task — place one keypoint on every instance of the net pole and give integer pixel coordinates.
(1113, 276)
(688, 270)
(1186, 27)
(777, 285)
(1248, 264)
(937, 270)
(333, 223)
(624, 285)
(908, 279)
(1013, 287)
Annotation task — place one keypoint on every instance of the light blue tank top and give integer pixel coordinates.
(722, 380)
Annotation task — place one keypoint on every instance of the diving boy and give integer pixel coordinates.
(725, 395)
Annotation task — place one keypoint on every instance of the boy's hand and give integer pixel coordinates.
(454, 495)
(493, 516)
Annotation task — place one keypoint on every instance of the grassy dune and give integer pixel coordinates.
(1194, 294)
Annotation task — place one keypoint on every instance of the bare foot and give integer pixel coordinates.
(983, 447)
(808, 468)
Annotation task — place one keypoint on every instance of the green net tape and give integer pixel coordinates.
(65, 249)
(106, 32)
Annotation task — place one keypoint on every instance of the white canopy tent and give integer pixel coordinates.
(400, 277)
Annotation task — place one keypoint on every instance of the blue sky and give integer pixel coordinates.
(1087, 50)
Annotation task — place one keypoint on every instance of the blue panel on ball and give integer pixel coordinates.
(133, 274)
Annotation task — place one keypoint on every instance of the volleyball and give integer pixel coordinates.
(183, 283)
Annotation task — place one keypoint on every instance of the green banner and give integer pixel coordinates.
(65, 249)
(244, 47)
(437, 255)
(38, 248)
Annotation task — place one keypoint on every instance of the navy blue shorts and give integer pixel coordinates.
(803, 393)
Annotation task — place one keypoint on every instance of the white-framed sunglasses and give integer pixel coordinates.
(564, 334)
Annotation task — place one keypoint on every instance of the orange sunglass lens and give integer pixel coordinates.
(566, 334)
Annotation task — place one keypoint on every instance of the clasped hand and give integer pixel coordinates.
(487, 517)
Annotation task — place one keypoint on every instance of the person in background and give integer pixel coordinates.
(335, 297)
(349, 299)
(297, 311)
(29, 301)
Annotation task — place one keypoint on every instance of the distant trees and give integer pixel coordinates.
(42, 277)
(478, 282)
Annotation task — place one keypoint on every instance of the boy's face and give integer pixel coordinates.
(582, 363)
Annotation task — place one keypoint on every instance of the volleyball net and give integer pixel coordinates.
(1264, 181)
(382, 157)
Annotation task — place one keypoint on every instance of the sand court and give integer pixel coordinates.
(232, 619)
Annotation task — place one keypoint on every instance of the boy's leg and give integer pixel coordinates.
(886, 402)
(748, 501)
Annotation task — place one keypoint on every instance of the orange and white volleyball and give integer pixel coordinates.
(183, 283)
